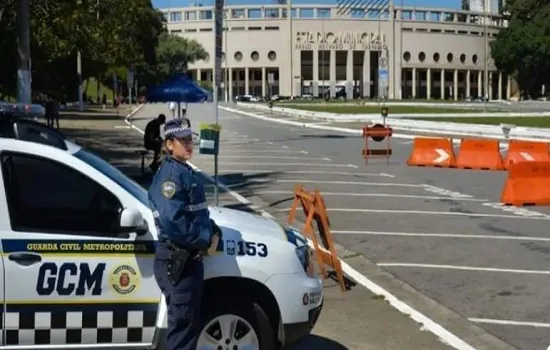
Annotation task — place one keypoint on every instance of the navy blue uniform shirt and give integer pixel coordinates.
(178, 201)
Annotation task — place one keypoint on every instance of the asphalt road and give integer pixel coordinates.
(442, 231)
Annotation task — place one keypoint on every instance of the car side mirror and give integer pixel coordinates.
(131, 220)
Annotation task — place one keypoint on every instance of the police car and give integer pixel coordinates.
(77, 241)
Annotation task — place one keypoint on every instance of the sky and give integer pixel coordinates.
(450, 4)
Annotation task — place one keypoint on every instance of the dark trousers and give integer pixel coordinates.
(183, 300)
(156, 147)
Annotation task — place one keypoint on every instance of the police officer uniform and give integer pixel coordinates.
(179, 205)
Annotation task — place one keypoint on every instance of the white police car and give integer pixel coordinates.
(77, 239)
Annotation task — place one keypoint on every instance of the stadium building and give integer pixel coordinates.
(398, 53)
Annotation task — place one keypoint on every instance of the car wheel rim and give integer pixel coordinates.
(228, 332)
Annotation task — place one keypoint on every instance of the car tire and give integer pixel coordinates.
(248, 311)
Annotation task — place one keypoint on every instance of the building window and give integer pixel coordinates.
(254, 55)
(450, 57)
(474, 59)
(238, 56)
(462, 58)
(272, 55)
(421, 56)
(175, 17)
(407, 56)
(436, 57)
(205, 14)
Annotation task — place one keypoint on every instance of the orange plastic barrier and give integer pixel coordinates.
(436, 152)
(479, 154)
(528, 183)
(377, 133)
(315, 209)
(526, 151)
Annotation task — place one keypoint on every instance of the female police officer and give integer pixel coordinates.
(185, 230)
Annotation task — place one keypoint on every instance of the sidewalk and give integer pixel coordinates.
(356, 320)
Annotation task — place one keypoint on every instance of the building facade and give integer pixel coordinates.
(397, 53)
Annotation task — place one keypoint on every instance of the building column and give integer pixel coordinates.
(315, 88)
(468, 77)
(246, 83)
(264, 82)
(230, 82)
(366, 74)
(500, 85)
(332, 73)
(490, 84)
(455, 85)
(413, 83)
(442, 84)
(429, 84)
(349, 75)
(199, 71)
(508, 88)
(479, 84)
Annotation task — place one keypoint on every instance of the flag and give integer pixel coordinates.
(354, 6)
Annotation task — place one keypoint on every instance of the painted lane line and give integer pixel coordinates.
(445, 192)
(256, 151)
(268, 157)
(282, 164)
(327, 159)
(285, 146)
(353, 166)
(465, 268)
(425, 212)
(304, 152)
(342, 173)
(386, 195)
(510, 323)
(440, 235)
(389, 184)
(516, 210)
(426, 322)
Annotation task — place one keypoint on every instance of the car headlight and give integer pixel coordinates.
(305, 255)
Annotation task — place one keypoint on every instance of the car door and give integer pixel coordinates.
(72, 278)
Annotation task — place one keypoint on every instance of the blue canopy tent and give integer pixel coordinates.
(179, 88)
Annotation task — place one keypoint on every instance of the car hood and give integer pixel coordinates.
(249, 223)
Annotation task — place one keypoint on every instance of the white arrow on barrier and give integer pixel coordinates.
(527, 156)
(443, 156)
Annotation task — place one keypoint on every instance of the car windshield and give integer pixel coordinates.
(114, 174)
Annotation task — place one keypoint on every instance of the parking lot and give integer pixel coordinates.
(442, 231)
(356, 320)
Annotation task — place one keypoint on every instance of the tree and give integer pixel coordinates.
(522, 50)
(174, 54)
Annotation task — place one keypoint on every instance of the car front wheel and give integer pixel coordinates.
(235, 325)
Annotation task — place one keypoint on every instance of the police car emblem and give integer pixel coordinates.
(124, 279)
(168, 189)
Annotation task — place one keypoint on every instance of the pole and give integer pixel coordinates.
(23, 52)
(291, 48)
(226, 29)
(218, 40)
(486, 49)
(79, 74)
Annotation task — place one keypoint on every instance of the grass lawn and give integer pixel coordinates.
(537, 122)
(371, 109)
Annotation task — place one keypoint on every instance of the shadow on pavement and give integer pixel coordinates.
(331, 136)
(318, 343)
(108, 115)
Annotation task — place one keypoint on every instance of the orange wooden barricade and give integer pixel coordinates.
(315, 209)
(377, 133)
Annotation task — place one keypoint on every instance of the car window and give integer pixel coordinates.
(47, 196)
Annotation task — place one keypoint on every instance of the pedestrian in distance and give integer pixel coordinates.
(173, 106)
(153, 141)
(185, 234)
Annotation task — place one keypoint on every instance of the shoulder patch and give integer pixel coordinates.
(168, 189)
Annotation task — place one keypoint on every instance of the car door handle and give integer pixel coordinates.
(25, 258)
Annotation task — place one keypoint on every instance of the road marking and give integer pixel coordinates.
(391, 184)
(422, 212)
(343, 173)
(388, 195)
(527, 156)
(269, 143)
(267, 157)
(444, 192)
(420, 318)
(440, 235)
(298, 165)
(516, 210)
(304, 152)
(466, 268)
(122, 127)
(240, 150)
(443, 155)
(353, 166)
(510, 323)
(285, 146)
(327, 159)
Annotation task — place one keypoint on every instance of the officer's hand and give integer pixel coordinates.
(215, 229)
(213, 245)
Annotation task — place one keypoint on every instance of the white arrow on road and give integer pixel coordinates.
(443, 156)
(527, 156)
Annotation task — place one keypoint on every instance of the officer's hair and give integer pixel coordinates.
(165, 144)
